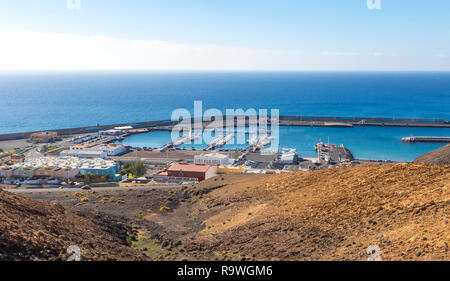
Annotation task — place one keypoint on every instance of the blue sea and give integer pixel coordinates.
(49, 100)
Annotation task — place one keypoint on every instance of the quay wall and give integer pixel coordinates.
(426, 139)
(83, 130)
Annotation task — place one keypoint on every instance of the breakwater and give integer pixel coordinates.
(315, 121)
(426, 139)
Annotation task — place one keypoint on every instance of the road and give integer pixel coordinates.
(93, 189)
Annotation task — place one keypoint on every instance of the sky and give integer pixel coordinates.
(411, 35)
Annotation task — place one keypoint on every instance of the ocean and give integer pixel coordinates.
(49, 100)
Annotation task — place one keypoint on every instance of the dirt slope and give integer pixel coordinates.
(440, 156)
(35, 230)
(333, 214)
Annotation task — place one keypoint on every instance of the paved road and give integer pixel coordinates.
(94, 188)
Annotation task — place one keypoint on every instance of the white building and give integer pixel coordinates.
(84, 154)
(211, 159)
(109, 149)
(112, 149)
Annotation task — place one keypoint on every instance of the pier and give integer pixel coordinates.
(180, 141)
(336, 121)
(333, 153)
(426, 139)
(219, 141)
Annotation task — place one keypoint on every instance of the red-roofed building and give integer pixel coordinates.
(186, 170)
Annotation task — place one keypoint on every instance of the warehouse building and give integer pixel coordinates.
(109, 149)
(84, 154)
(211, 159)
(186, 170)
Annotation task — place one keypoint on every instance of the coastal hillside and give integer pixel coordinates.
(36, 230)
(440, 156)
(334, 214)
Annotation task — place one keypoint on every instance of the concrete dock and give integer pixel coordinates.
(180, 141)
(426, 139)
(220, 141)
(333, 153)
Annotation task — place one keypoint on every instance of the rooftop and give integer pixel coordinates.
(83, 152)
(65, 162)
(85, 145)
(214, 154)
(112, 145)
(43, 133)
(189, 167)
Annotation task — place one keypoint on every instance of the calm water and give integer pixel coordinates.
(36, 101)
(377, 143)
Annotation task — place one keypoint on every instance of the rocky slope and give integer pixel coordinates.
(335, 214)
(402, 210)
(440, 156)
(35, 230)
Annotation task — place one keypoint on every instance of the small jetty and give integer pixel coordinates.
(333, 153)
(426, 139)
(219, 141)
(352, 121)
(180, 141)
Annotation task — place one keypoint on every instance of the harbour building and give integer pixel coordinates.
(211, 159)
(101, 151)
(187, 170)
(84, 154)
(43, 137)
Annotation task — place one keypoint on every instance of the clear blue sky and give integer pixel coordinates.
(407, 27)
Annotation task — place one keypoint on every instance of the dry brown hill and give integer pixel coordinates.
(440, 156)
(332, 214)
(35, 230)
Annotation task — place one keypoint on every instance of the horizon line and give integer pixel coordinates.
(214, 70)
